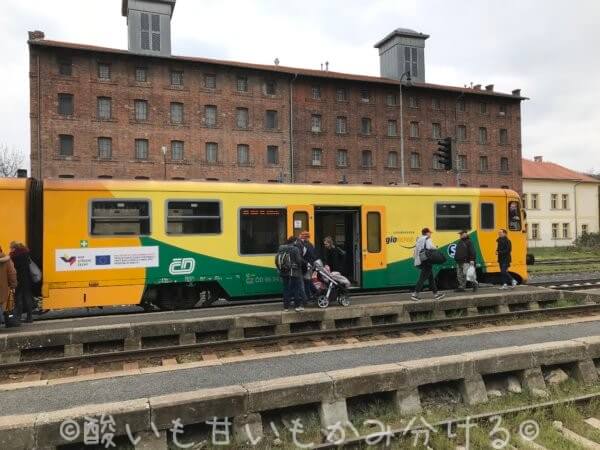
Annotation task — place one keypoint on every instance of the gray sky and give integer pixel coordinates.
(549, 49)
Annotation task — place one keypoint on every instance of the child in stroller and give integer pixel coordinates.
(330, 286)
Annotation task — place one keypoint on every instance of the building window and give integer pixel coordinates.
(554, 231)
(392, 128)
(503, 136)
(341, 125)
(483, 135)
(241, 118)
(104, 107)
(315, 123)
(365, 95)
(65, 145)
(243, 154)
(452, 216)
(483, 108)
(413, 101)
(534, 201)
(391, 99)
(141, 110)
(462, 162)
(436, 130)
(177, 150)
(436, 103)
(341, 159)
(411, 61)
(141, 74)
(584, 228)
(65, 104)
(483, 164)
(461, 105)
(565, 201)
(565, 231)
(272, 154)
(262, 230)
(270, 87)
(554, 201)
(210, 115)
(65, 67)
(150, 32)
(365, 126)
(415, 160)
(461, 133)
(176, 113)
(414, 129)
(141, 149)
(392, 160)
(176, 78)
(104, 148)
(341, 94)
(524, 201)
(103, 71)
(316, 92)
(502, 110)
(504, 164)
(212, 152)
(120, 218)
(210, 81)
(437, 164)
(242, 84)
(193, 217)
(317, 157)
(535, 231)
(367, 159)
(271, 120)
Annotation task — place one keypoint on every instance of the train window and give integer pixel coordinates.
(487, 216)
(262, 230)
(120, 218)
(452, 216)
(373, 232)
(514, 216)
(193, 217)
(300, 222)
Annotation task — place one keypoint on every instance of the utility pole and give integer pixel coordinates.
(402, 171)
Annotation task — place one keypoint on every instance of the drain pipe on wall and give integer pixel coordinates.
(575, 205)
(292, 180)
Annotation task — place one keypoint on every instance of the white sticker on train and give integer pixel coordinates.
(74, 259)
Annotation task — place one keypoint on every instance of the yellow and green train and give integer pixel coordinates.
(175, 244)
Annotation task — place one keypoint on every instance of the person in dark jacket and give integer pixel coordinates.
(19, 254)
(333, 256)
(464, 257)
(504, 250)
(291, 274)
(309, 255)
(424, 242)
(8, 283)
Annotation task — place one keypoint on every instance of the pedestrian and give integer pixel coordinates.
(309, 255)
(333, 256)
(19, 254)
(8, 283)
(424, 243)
(465, 258)
(504, 252)
(289, 264)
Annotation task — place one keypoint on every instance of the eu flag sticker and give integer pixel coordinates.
(103, 260)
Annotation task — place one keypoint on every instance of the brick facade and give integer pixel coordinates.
(313, 93)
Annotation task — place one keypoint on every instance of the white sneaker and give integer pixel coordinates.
(415, 297)
(503, 287)
(514, 283)
(299, 309)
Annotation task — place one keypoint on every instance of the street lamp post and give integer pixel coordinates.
(164, 152)
(402, 177)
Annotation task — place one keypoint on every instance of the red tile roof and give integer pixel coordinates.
(274, 68)
(551, 171)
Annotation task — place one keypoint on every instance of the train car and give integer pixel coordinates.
(15, 205)
(177, 244)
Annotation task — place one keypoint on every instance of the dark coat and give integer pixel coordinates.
(504, 250)
(20, 258)
(295, 258)
(334, 258)
(465, 251)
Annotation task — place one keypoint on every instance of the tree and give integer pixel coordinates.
(11, 159)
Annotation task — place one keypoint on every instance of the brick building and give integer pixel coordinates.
(101, 112)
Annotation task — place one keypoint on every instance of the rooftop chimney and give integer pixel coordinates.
(477, 87)
(538, 159)
(402, 52)
(149, 26)
(490, 87)
(516, 92)
(36, 35)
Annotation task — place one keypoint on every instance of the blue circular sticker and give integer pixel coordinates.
(452, 250)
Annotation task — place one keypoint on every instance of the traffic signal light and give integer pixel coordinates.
(444, 153)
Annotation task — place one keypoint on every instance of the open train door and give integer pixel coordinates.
(374, 255)
(300, 218)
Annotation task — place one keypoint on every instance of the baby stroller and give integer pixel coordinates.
(330, 286)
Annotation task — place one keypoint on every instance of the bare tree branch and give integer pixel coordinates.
(11, 159)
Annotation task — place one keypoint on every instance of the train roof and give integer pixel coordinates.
(16, 184)
(266, 188)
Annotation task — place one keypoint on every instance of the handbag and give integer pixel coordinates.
(34, 270)
(434, 256)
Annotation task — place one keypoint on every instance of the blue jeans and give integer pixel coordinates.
(293, 290)
(504, 275)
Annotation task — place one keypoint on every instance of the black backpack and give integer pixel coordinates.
(283, 260)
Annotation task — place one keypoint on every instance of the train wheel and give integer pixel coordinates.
(207, 298)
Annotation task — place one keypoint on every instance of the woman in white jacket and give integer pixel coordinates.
(425, 243)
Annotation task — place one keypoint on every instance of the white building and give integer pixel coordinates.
(561, 203)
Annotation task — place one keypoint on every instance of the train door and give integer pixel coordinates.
(492, 217)
(517, 232)
(300, 218)
(374, 255)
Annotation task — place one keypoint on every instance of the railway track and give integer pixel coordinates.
(569, 285)
(565, 262)
(45, 365)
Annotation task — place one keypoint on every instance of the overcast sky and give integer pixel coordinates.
(549, 49)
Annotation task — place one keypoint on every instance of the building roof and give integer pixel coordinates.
(125, 5)
(541, 170)
(401, 32)
(293, 71)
